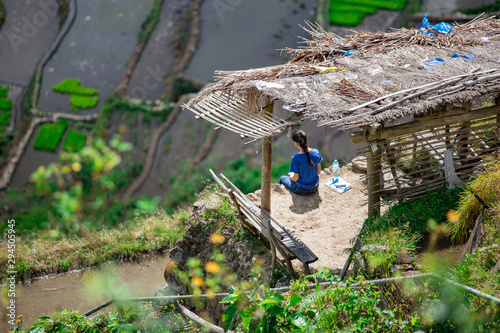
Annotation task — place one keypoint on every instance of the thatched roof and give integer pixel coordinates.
(387, 77)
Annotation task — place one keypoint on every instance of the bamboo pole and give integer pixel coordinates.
(417, 126)
(373, 159)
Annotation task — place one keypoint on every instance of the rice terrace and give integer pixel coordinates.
(250, 166)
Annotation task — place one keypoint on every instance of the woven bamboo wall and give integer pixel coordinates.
(413, 164)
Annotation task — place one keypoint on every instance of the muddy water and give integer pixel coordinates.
(29, 30)
(32, 159)
(147, 80)
(75, 291)
(247, 34)
(179, 143)
(95, 50)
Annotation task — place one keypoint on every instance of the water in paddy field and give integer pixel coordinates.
(74, 291)
(247, 34)
(29, 30)
(95, 50)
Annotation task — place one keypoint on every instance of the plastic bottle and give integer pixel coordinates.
(335, 169)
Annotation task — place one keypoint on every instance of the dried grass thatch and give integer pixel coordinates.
(386, 78)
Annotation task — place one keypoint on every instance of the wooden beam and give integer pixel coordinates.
(417, 126)
(373, 159)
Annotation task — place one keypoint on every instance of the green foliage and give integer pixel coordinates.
(396, 242)
(4, 120)
(181, 87)
(151, 22)
(83, 102)
(352, 12)
(481, 271)
(414, 215)
(73, 86)
(338, 307)
(86, 176)
(74, 141)
(189, 180)
(49, 136)
(81, 97)
(3, 90)
(487, 187)
(5, 104)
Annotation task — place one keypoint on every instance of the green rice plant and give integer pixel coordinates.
(3, 92)
(390, 4)
(83, 102)
(74, 141)
(348, 18)
(73, 86)
(49, 136)
(5, 104)
(345, 7)
(5, 118)
(352, 12)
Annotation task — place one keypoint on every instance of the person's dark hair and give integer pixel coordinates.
(300, 137)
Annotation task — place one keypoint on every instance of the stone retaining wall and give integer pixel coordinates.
(240, 253)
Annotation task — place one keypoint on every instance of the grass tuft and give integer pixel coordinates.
(46, 255)
(486, 186)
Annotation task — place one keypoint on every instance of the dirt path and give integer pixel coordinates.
(326, 221)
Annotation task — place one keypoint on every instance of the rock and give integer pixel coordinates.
(328, 170)
(278, 188)
(404, 258)
(359, 162)
(403, 267)
(257, 193)
(373, 247)
(179, 256)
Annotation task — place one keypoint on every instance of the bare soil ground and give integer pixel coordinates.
(326, 221)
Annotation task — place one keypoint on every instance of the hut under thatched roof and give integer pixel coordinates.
(428, 82)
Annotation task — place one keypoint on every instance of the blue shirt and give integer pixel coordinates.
(308, 175)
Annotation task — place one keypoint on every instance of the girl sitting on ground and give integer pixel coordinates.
(305, 167)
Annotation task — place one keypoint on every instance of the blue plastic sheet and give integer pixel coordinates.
(470, 56)
(435, 62)
(348, 53)
(443, 27)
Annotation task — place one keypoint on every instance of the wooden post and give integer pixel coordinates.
(267, 154)
(497, 102)
(265, 185)
(373, 159)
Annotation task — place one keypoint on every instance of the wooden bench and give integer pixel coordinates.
(288, 244)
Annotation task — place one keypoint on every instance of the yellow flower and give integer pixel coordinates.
(453, 216)
(212, 267)
(197, 281)
(20, 316)
(18, 321)
(210, 294)
(76, 167)
(217, 238)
